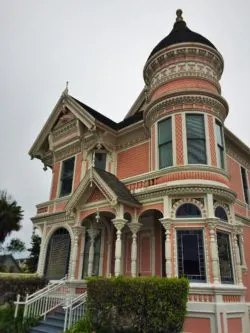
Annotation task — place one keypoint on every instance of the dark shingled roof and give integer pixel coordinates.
(123, 194)
(181, 34)
(105, 120)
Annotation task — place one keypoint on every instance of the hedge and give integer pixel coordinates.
(22, 284)
(142, 305)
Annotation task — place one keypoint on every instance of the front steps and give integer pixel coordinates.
(53, 323)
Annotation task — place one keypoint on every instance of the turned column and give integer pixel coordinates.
(168, 251)
(214, 253)
(42, 255)
(119, 224)
(92, 234)
(238, 261)
(134, 227)
(77, 230)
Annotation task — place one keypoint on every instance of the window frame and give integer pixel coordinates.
(168, 142)
(220, 147)
(221, 219)
(188, 216)
(59, 195)
(203, 138)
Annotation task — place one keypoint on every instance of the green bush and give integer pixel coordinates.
(20, 284)
(9, 324)
(141, 305)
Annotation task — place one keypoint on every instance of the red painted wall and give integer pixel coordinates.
(133, 161)
(235, 176)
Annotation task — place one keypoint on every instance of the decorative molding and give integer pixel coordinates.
(225, 207)
(240, 158)
(70, 150)
(188, 200)
(155, 110)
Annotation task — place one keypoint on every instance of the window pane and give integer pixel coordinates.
(67, 176)
(245, 184)
(221, 214)
(188, 211)
(224, 253)
(196, 151)
(195, 127)
(165, 131)
(100, 160)
(221, 157)
(219, 134)
(191, 261)
(165, 155)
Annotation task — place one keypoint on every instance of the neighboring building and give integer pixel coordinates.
(8, 264)
(164, 192)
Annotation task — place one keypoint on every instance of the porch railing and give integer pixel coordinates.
(44, 300)
(74, 310)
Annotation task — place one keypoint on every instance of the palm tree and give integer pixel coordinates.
(10, 215)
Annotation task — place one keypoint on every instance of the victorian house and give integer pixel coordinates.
(164, 192)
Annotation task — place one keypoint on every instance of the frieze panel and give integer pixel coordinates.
(184, 69)
(163, 59)
(64, 130)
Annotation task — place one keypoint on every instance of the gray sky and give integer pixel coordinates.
(100, 47)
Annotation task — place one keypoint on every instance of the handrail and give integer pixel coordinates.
(41, 291)
(74, 310)
(42, 301)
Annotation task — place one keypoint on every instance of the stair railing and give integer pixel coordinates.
(44, 300)
(74, 310)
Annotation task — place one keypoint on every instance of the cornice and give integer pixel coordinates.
(217, 103)
(225, 194)
(71, 149)
(53, 218)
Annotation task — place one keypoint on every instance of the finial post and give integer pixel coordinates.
(179, 15)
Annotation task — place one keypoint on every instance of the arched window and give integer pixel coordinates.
(57, 257)
(221, 213)
(188, 210)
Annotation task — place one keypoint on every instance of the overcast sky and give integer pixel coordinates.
(100, 47)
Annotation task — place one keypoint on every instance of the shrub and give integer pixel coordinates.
(9, 324)
(148, 305)
(20, 284)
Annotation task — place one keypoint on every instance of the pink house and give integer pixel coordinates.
(164, 192)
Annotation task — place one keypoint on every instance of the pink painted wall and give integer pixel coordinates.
(197, 325)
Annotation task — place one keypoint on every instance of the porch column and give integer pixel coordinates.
(134, 227)
(92, 234)
(119, 223)
(77, 230)
(81, 253)
(214, 252)
(166, 222)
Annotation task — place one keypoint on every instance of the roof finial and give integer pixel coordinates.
(66, 90)
(179, 17)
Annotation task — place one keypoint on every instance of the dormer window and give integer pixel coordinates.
(67, 174)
